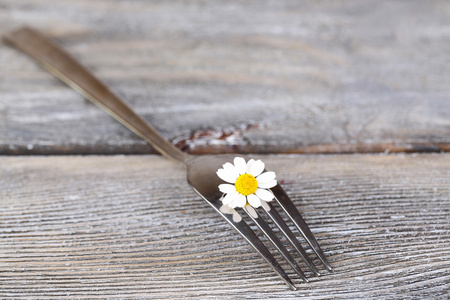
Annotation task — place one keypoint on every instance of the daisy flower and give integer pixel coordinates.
(247, 183)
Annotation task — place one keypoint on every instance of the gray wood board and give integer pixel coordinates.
(247, 76)
(130, 227)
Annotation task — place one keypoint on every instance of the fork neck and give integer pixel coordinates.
(149, 134)
(125, 115)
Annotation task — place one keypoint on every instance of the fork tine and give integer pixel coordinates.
(276, 218)
(265, 228)
(249, 235)
(285, 202)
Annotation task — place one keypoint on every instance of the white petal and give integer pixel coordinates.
(267, 185)
(254, 200)
(264, 194)
(255, 167)
(230, 198)
(252, 211)
(230, 168)
(266, 177)
(239, 201)
(232, 204)
(265, 205)
(249, 165)
(227, 188)
(227, 210)
(226, 176)
(237, 217)
(242, 200)
(240, 165)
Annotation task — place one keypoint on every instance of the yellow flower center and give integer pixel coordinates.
(246, 184)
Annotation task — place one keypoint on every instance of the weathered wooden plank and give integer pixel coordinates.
(248, 76)
(130, 227)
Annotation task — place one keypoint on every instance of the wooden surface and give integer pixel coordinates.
(130, 227)
(247, 76)
(227, 76)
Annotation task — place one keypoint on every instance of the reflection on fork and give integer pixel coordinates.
(200, 169)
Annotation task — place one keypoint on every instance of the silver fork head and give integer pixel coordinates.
(201, 176)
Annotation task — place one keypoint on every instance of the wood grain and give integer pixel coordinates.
(74, 227)
(248, 76)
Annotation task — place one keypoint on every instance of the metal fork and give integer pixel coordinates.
(200, 169)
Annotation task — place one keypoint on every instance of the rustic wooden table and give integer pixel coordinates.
(349, 102)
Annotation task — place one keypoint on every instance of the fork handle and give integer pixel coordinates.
(65, 67)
